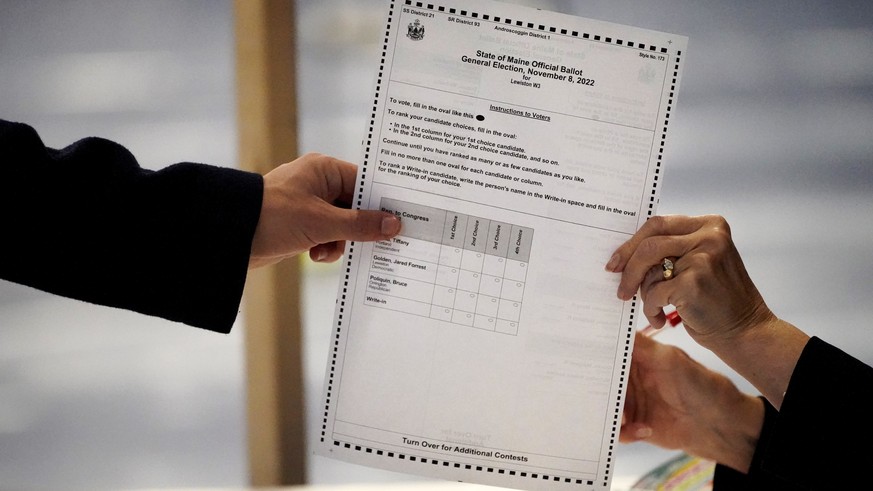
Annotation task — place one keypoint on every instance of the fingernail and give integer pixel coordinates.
(390, 225)
(613, 262)
(643, 433)
(320, 255)
(621, 295)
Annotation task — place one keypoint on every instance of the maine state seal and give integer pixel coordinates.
(415, 31)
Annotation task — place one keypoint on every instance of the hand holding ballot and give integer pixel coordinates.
(719, 304)
(792, 438)
(305, 207)
(699, 247)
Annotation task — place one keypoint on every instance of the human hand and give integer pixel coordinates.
(305, 207)
(710, 287)
(674, 402)
(719, 304)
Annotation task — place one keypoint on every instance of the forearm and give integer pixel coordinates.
(87, 222)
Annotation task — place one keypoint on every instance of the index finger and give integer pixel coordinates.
(658, 225)
(349, 177)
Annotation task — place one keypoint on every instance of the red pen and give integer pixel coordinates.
(672, 320)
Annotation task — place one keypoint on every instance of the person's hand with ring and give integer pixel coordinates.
(691, 263)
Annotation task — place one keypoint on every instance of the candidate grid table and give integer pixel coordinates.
(452, 267)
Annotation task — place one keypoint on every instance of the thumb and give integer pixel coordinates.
(365, 225)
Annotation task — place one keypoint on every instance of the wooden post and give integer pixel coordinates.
(267, 125)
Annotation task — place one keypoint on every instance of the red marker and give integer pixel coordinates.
(672, 320)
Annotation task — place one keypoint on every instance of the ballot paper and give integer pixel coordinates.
(485, 343)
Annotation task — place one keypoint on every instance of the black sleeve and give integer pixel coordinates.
(727, 479)
(87, 222)
(819, 438)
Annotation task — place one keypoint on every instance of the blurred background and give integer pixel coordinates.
(773, 129)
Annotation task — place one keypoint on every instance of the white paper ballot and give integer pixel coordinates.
(520, 148)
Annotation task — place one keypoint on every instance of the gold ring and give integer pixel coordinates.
(667, 267)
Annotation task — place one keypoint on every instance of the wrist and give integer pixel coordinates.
(765, 354)
(733, 430)
(742, 431)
